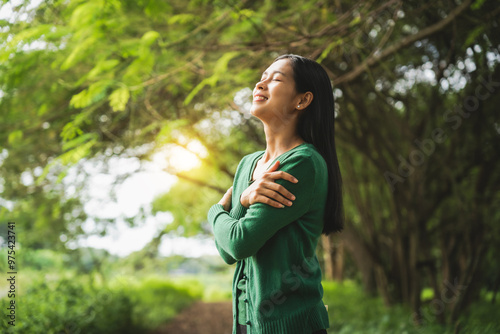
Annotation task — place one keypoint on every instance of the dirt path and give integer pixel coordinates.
(203, 318)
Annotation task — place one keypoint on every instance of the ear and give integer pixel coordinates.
(305, 101)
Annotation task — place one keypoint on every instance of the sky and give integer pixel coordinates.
(136, 192)
(6, 12)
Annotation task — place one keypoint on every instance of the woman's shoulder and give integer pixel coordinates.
(307, 152)
(308, 165)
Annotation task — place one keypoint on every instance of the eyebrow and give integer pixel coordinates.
(265, 72)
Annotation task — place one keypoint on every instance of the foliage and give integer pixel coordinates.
(70, 306)
(63, 292)
(416, 84)
(45, 259)
(352, 311)
(74, 305)
(188, 204)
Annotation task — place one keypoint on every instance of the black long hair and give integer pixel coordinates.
(317, 126)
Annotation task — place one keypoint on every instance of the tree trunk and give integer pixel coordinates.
(333, 255)
(362, 258)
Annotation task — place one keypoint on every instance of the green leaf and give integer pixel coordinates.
(208, 81)
(79, 140)
(95, 92)
(24, 37)
(472, 36)
(355, 21)
(43, 109)
(329, 49)
(70, 131)
(181, 19)
(76, 154)
(80, 51)
(119, 98)
(15, 136)
(85, 14)
(30, 34)
(247, 13)
(140, 67)
(149, 37)
(103, 66)
(477, 4)
(220, 69)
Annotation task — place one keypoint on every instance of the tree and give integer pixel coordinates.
(416, 86)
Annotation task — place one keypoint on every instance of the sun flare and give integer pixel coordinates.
(183, 159)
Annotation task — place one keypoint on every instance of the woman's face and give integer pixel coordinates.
(274, 96)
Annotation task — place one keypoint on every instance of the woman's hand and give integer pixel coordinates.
(226, 199)
(265, 190)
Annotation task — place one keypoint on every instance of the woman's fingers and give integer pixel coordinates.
(274, 166)
(266, 200)
(280, 174)
(275, 197)
(267, 191)
(226, 199)
(283, 175)
(279, 189)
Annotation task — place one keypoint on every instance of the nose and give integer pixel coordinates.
(260, 85)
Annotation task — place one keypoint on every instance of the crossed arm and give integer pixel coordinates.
(268, 211)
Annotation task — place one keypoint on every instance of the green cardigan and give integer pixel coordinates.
(275, 248)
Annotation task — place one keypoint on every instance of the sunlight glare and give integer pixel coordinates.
(181, 159)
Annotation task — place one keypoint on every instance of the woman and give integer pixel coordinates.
(270, 220)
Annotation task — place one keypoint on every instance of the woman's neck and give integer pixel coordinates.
(279, 141)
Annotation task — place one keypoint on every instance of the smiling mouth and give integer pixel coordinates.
(259, 98)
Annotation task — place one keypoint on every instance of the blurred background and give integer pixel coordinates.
(122, 122)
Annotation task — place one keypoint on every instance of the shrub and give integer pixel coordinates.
(77, 306)
(69, 306)
(352, 312)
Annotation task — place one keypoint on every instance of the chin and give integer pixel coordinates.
(254, 111)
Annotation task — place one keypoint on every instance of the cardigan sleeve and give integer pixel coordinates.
(225, 256)
(242, 238)
(240, 211)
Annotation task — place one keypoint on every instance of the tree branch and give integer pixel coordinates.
(376, 57)
(195, 181)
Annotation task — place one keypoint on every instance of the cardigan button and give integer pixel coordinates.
(246, 300)
(248, 322)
